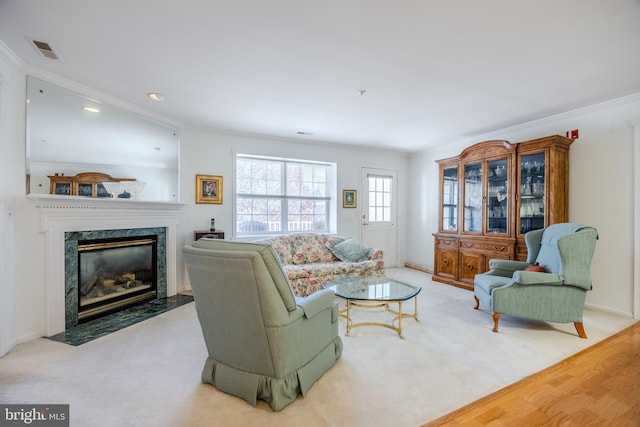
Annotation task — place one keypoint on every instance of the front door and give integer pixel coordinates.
(379, 212)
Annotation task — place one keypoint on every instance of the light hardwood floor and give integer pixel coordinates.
(600, 386)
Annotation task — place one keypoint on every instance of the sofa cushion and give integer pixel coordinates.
(310, 248)
(351, 251)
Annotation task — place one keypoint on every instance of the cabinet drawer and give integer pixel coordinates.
(484, 246)
(446, 242)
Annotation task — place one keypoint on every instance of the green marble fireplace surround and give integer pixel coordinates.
(71, 262)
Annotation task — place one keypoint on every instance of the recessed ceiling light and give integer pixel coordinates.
(156, 96)
(91, 109)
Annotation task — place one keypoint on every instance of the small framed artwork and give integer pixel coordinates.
(349, 198)
(209, 189)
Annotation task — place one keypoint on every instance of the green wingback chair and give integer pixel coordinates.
(565, 252)
(263, 342)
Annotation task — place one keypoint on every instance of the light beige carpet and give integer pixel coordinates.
(149, 374)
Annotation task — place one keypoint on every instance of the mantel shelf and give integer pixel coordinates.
(54, 201)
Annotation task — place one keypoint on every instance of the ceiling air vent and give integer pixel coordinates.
(45, 49)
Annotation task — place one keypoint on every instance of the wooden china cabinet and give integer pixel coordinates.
(491, 195)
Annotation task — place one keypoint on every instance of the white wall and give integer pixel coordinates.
(601, 191)
(208, 152)
(11, 116)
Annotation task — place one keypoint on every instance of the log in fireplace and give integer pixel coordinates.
(115, 273)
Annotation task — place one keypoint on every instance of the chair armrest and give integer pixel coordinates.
(507, 264)
(316, 302)
(376, 254)
(537, 278)
(505, 267)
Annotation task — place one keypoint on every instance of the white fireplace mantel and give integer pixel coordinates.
(61, 214)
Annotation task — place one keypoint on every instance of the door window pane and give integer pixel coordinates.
(380, 195)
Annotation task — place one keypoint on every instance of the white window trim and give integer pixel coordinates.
(331, 191)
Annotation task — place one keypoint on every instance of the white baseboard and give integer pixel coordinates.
(609, 310)
(30, 337)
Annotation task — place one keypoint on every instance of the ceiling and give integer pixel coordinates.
(405, 75)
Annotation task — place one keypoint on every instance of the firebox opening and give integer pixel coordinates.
(115, 273)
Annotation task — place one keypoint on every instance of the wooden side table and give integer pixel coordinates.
(199, 234)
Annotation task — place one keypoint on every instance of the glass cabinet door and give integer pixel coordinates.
(450, 199)
(532, 192)
(473, 198)
(497, 196)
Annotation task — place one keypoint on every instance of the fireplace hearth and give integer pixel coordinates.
(115, 273)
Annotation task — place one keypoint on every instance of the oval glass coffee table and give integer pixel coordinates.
(372, 292)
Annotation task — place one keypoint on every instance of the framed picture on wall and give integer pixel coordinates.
(349, 198)
(209, 189)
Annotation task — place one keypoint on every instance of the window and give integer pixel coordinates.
(379, 198)
(277, 196)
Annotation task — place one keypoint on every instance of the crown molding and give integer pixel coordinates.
(10, 56)
(629, 99)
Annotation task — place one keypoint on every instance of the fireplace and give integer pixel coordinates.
(109, 270)
(115, 273)
(62, 218)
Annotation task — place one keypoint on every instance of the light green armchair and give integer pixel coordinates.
(263, 342)
(565, 252)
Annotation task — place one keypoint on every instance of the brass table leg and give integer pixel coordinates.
(348, 317)
(400, 319)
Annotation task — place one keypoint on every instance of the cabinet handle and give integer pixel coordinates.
(469, 267)
(501, 249)
(445, 261)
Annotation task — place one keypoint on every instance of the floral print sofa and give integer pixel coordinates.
(311, 259)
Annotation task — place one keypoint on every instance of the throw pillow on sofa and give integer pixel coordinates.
(349, 250)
